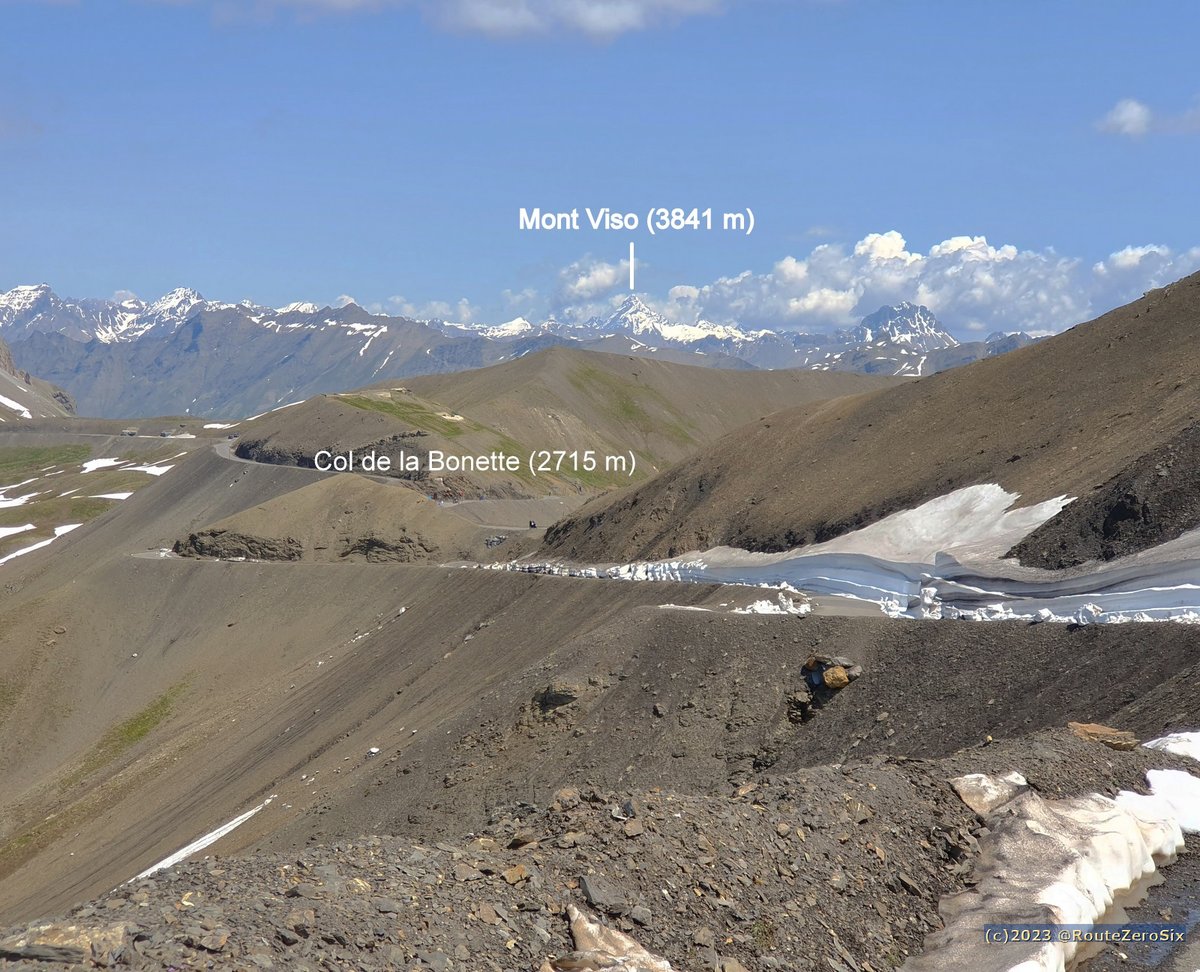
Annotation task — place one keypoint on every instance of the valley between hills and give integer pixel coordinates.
(849, 666)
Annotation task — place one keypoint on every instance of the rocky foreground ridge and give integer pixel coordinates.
(836, 868)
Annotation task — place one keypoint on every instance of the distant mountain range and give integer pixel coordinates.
(183, 354)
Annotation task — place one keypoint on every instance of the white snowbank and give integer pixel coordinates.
(58, 532)
(940, 561)
(13, 531)
(93, 464)
(112, 496)
(1078, 861)
(1180, 743)
(1182, 792)
(16, 407)
(8, 503)
(781, 605)
(972, 522)
(1059, 862)
(202, 842)
(221, 425)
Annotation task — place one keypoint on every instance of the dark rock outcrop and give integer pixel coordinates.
(226, 545)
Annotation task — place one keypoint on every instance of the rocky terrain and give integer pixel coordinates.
(1151, 501)
(838, 867)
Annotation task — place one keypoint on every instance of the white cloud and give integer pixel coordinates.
(971, 284)
(1128, 117)
(522, 299)
(1134, 119)
(1130, 258)
(790, 270)
(461, 311)
(601, 19)
(878, 247)
(588, 279)
(974, 287)
(344, 300)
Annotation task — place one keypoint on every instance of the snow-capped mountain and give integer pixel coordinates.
(634, 317)
(183, 353)
(912, 325)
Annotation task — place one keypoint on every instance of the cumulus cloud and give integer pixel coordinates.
(974, 286)
(589, 279)
(523, 299)
(970, 283)
(461, 311)
(1135, 119)
(1128, 117)
(601, 19)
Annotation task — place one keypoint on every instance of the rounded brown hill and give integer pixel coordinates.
(337, 519)
(654, 413)
(1066, 415)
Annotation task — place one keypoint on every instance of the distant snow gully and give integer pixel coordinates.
(200, 843)
(941, 560)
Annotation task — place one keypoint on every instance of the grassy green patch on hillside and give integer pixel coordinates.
(24, 462)
(56, 512)
(627, 403)
(124, 736)
(416, 414)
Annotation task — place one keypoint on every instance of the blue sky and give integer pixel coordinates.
(309, 149)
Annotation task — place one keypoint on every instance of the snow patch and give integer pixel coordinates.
(7, 503)
(940, 561)
(93, 464)
(1078, 861)
(152, 470)
(1180, 743)
(58, 532)
(781, 605)
(202, 842)
(16, 407)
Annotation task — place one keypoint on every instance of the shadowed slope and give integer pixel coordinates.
(1062, 416)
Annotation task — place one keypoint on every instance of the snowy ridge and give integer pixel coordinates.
(634, 317)
(905, 323)
(897, 339)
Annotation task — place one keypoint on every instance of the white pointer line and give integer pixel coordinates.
(632, 265)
